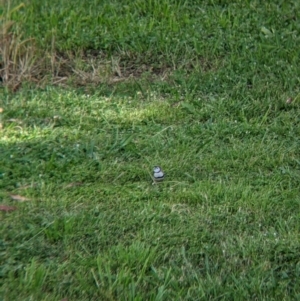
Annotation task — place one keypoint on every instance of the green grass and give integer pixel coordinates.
(248, 42)
(224, 225)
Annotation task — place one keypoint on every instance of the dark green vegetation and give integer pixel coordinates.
(206, 100)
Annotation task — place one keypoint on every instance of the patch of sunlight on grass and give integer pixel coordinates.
(126, 114)
(20, 134)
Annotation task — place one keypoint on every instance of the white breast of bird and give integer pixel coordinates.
(158, 174)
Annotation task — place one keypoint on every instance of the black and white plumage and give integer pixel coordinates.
(158, 174)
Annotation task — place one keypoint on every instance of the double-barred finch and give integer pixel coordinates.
(158, 174)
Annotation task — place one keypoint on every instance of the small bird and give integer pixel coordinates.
(158, 174)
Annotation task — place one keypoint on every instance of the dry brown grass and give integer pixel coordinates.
(18, 59)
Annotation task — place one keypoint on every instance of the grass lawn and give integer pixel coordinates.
(209, 91)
